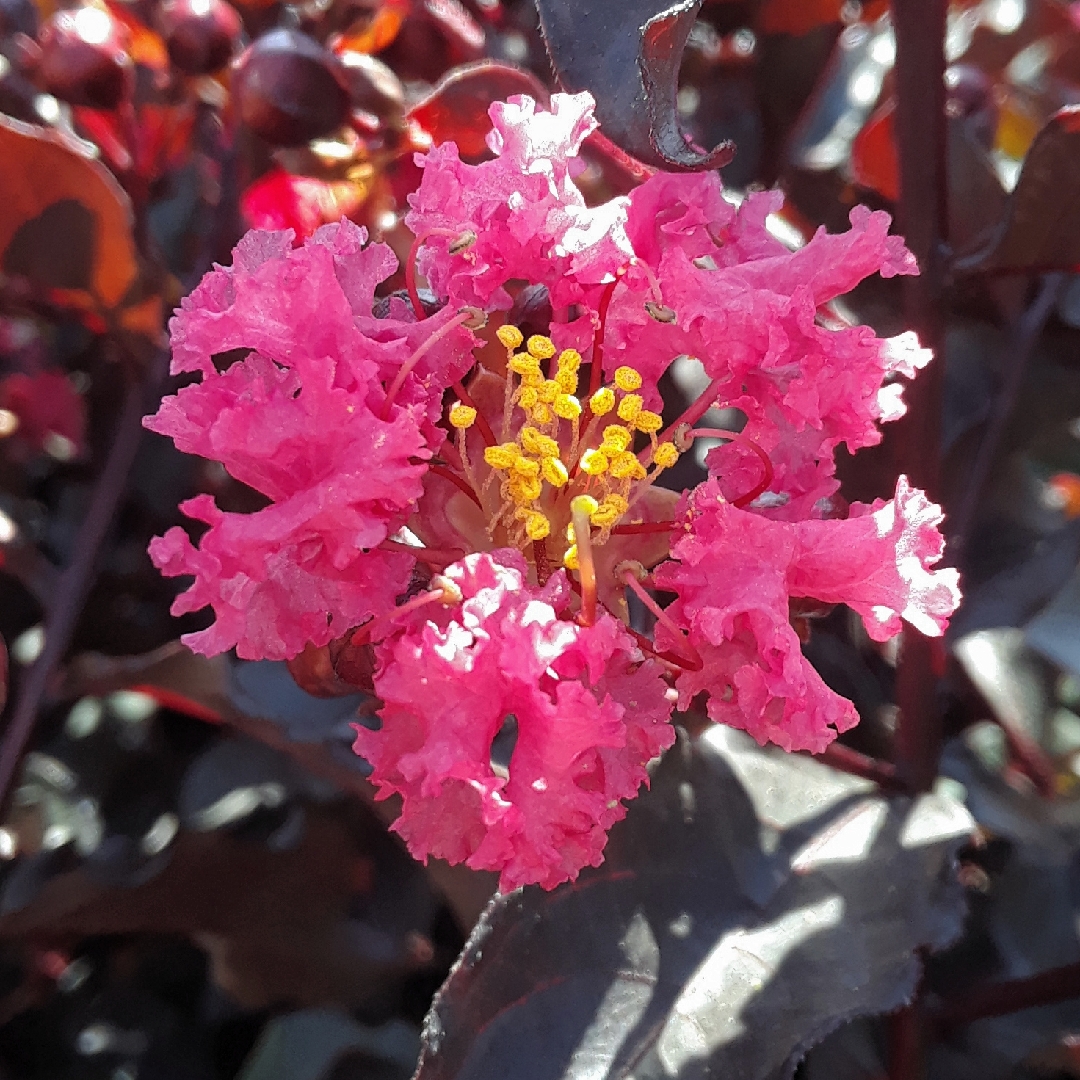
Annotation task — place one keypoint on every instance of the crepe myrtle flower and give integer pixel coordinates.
(468, 506)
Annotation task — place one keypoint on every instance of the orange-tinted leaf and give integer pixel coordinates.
(64, 221)
(874, 163)
(456, 110)
(374, 32)
(801, 16)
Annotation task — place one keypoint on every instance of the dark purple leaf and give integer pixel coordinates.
(748, 904)
(626, 53)
(1041, 226)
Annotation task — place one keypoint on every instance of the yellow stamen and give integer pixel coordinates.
(603, 401)
(570, 559)
(554, 472)
(627, 378)
(462, 416)
(523, 364)
(627, 467)
(665, 455)
(569, 360)
(567, 381)
(537, 526)
(510, 336)
(595, 462)
(533, 442)
(567, 406)
(648, 421)
(526, 467)
(549, 391)
(528, 397)
(502, 457)
(630, 407)
(542, 414)
(617, 438)
(541, 347)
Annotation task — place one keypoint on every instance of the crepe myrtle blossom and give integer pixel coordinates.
(470, 511)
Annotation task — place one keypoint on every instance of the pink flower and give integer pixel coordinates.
(528, 489)
(589, 716)
(735, 574)
(301, 420)
(529, 218)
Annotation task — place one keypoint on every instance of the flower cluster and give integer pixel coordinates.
(476, 509)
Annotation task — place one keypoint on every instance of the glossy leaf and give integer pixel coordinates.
(1041, 227)
(739, 915)
(457, 108)
(627, 54)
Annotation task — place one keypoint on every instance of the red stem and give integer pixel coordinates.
(644, 527)
(1013, 995)
(457, 481)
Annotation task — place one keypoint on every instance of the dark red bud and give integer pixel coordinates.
(84, 58)
(290, 89)
(201, 35)
(374, 86)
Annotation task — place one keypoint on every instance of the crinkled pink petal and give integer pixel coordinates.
(274, 579)
(589, 716)
(528, 215)
(878, 563)
(734, 573)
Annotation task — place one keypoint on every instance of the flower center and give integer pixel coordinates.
(564, 453)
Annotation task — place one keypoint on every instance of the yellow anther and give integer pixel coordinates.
(533, 442)
(549, 391)
(526, 467)
(462, 416)
(554, 471)
(617, 438)
(603, 401)
(626, 378)
(502, 457)
(537, 527)
(525, 489)
(541, 347)
(626, 466)
(523, 364)
(510, 336)
(535, 379)
(583, 504)
(567, 406)
(594, 462)
(541, 414)
(528, 397)
(648, 421)
(604, 516)
(630, 407)
(569, 360)
(567, 381)
(665, 455)
(616, 501)
(570, 559)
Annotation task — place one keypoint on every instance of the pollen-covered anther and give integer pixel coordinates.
(630, 408)
(617, 438)
(660, 312)
(566, 406)
(462, 416)
(535, 442)
(595, 462)
(543, 348)
(525, 489)
(510, 336)
(648, 421)
(462, 243)
(523, 364)
(549, 391)
(477, 319)
(567, 381)
(609, 511)
(569, 360)
(627, 378)
(570, 558)
(537, 526)
(502, 456)
(526, 467)
(528, 397)
(626, 466)
(542, 413)
(665, 455)
(554, 472)
(451, 594)
(584, 504)
(603, 401)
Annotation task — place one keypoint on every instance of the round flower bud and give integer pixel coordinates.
(289, 89)
(84, 58)
(200, 35)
